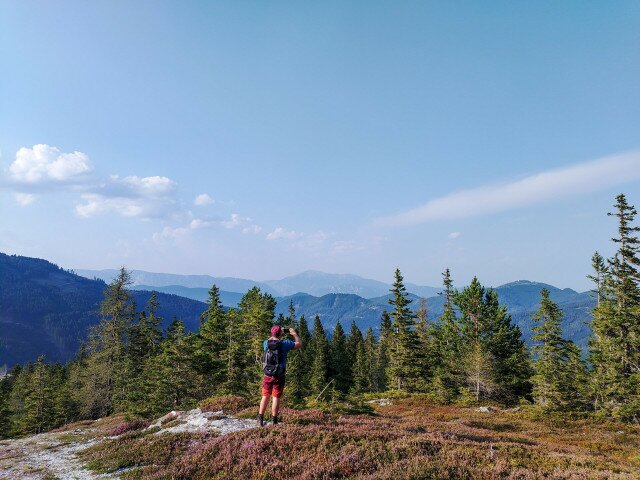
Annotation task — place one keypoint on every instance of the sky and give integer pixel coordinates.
(262, 139)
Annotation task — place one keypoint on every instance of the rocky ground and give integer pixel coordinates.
(53, 455)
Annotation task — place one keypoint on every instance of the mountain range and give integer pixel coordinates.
(45, 309)
(312, 282)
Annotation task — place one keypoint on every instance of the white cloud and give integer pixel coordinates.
(454, 235)
(24, 199)
(252, 229)
(132, 196)
(235, 221)
(44, 164)
(280, 232)
(203, 199)
(583, 177)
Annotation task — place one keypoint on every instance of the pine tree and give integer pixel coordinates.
(298, 368)
(385, 348)
(354, 338)
(403, 370)
(211, 344)
(549, 389)
(144, 344)
(446, 347)
(374, 371)
(236, 381)
(599, 276)
(103, 387)
(615, 345)
(494, 358)
(361, 371)
(425, 352)
(38, 404)
(320, 351)
(338, 362)
(172, 371)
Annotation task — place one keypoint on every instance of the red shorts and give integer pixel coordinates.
(272, 386)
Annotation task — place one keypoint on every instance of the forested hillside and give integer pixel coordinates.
(45, 310)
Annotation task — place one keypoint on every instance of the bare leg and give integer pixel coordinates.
(275, 406)
(263, 404)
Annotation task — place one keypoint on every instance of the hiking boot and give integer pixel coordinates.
(276, 420)
(260, 420)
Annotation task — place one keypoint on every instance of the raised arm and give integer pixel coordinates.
(296, 338)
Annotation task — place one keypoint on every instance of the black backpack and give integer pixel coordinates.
(272, 365)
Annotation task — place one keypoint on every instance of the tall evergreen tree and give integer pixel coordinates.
(549, 389)
(374, 372)
(210, 353)
(615, 345)
(39, 410)
(599, 276)
(298, 368)
(403, 370)
(338, 362)
(446, 346)
(494, 358)
(385, 349)
(320, 351)
(103, 388)
(425, 352)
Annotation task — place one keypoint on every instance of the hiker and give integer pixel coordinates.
(275, 365)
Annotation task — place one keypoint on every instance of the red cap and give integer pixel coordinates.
(275, 330)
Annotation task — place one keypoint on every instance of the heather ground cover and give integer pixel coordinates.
(409, 439)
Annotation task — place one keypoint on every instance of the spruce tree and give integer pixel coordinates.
(298, 368)
(236, 381)
(403, 369)
(103, 388)
(615, 345)
(425, 344)
(551, 355)
(338, 362)
(385, 348)
(374, 372)
(211, 344)
(599, 276)
(494, 358)
(39, 411)
(320, 351)
(446, 346)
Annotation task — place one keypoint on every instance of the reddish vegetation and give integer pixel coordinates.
(408, 440)
(229, 404)
(128, 426)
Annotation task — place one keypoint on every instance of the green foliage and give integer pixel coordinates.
(615, 345)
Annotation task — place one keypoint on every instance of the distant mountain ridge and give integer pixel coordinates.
(312, 282)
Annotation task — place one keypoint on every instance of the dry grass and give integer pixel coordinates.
(409, 440)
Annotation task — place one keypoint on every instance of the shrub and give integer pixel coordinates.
(229, 404)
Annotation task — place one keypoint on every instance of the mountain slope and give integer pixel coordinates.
(47, 310)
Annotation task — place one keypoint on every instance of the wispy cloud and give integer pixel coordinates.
(132, 196)
(202, 200)
(454, 235)
(580, 178)
(283, 233)
(24, 199)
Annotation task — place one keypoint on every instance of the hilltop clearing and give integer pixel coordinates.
(403, 439)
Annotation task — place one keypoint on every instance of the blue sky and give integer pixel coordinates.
(489, 137)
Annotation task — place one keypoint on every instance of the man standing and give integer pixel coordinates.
(275, 366)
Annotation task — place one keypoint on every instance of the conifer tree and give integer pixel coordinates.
(494, 358)
(320, 351)
(144, 344)
(385, 348)
(599, 276)
(103, 387)
(172, 372)
(615, 345)
(354, 338)
(374, 372)
(38, 403)
(298, 369)
(338, 362)
(211, 344)
(425, 352)
(361, 371)
(236, 382)
(446, 346)
(549, 389)
(403, 370)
